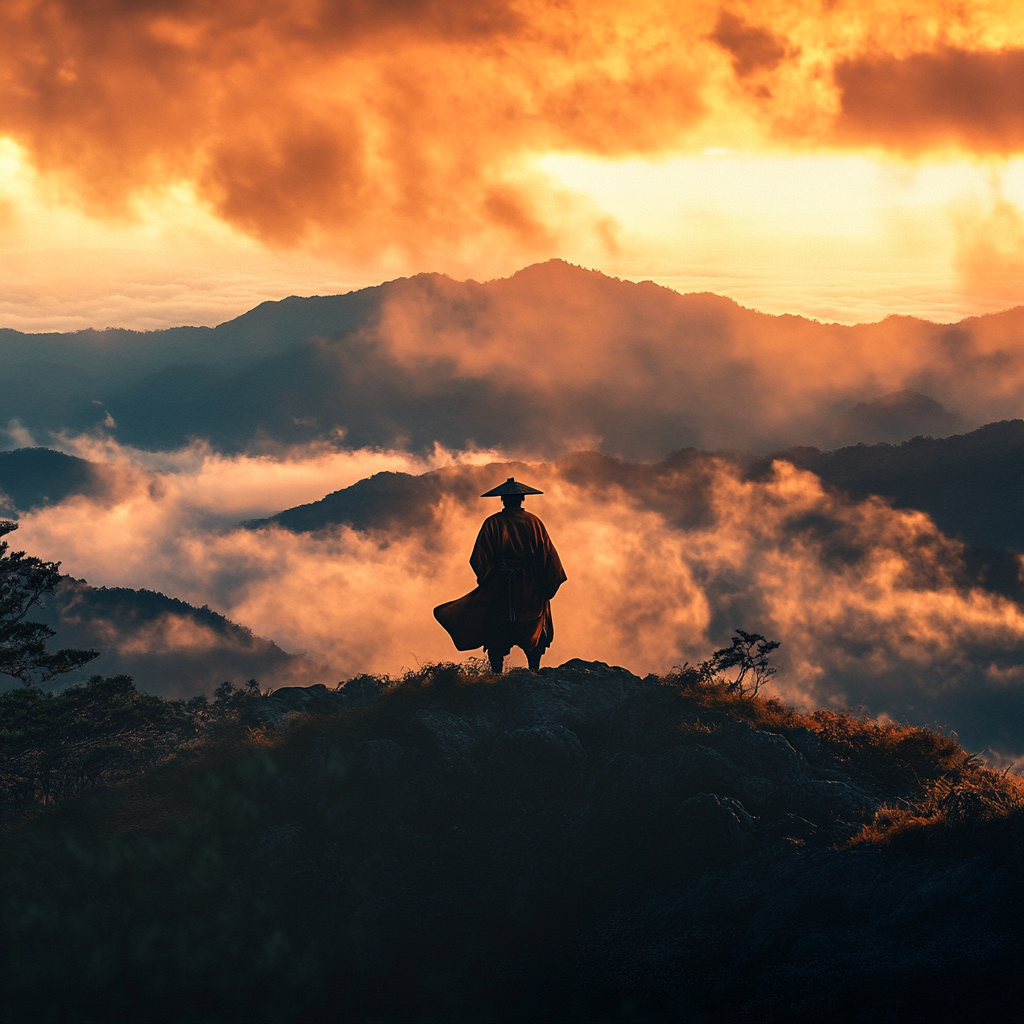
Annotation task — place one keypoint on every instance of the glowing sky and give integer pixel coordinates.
(171, 161)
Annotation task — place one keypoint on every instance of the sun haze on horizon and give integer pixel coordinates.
(173, 163)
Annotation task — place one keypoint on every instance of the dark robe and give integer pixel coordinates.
(517, 573)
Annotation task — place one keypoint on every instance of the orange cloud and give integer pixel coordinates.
(752, 49)
(369, 126)
(386, 122)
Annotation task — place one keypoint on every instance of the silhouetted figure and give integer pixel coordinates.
(517, 573)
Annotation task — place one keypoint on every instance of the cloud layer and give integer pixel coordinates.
(368, 126)
(874, 606)
(948, 97)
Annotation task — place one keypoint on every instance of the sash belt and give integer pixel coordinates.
(510, 569)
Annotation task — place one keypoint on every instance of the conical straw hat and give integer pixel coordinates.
(510, 486)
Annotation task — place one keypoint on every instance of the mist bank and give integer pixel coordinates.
(548, 360)
(167, 646)
(876, 606)
(170, 647)
(971, 485)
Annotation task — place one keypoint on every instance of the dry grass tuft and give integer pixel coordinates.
(956, 810)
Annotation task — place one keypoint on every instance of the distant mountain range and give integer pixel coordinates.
(32, 478)
(972, 485)
(551, 359)
(168, 647)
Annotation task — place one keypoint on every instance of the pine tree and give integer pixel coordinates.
(24, 579)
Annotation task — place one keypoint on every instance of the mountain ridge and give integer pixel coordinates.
(428, 359)
(170, 647)
(972, 483)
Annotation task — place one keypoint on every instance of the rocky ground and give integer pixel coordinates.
(580, 844)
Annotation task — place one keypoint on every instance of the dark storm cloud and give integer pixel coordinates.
(923, 101)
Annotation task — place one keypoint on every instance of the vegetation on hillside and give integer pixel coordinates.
(55, 746)
(24, 579)
(578, 845)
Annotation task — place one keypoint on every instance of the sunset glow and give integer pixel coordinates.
(165, 163)
(511, 509)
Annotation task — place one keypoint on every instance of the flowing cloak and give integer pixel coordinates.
(517, 573)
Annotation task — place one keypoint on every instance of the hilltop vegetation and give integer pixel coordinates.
(578, 845)
(56, 746)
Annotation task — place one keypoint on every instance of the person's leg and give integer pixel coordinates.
(497, 662)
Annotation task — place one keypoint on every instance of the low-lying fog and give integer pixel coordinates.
(870, 603)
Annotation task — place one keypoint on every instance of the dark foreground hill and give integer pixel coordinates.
(577, 845)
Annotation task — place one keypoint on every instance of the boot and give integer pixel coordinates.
(497, 662)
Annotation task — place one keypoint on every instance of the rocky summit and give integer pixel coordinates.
(581, 844)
